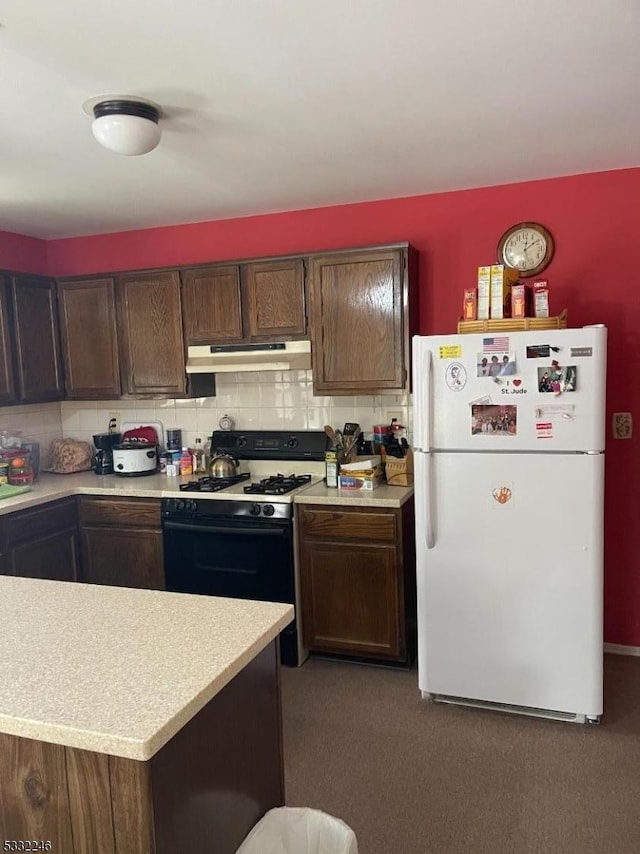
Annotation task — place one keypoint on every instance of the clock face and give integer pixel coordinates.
(527, 247)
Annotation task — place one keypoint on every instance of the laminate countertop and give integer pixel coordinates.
(383, 496)
(50, 487)
(117, 670)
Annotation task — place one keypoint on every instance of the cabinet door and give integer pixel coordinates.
(211, 305)
(55, 557)
(274, 304)
(350, 599)
(89, 339)
(122, 557)
(358, 326)
(7, 381)
(35, 318)
(151, 342)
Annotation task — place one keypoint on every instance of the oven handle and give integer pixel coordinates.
(220, 529)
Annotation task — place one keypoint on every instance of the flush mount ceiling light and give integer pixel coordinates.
(125, 124)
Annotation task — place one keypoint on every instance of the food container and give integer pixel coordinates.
(4, 472)
(10, 439)
(20, 471)
(174, 440)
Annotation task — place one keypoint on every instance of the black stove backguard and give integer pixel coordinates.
(271, 444)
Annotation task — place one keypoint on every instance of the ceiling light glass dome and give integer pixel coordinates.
(124, 124)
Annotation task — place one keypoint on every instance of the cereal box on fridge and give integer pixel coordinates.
(484, 292)
(502, 278)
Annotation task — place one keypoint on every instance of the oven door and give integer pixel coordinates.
(235, 557)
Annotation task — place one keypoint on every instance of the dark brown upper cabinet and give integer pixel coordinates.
(7, 380)
(260, 301)
(273, 300)
(150, 333)
(87, 311)
(211, 305)
(359, 321)
(37, 348)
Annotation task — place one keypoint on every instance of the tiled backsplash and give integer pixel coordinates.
(39, 422)
(277, 400)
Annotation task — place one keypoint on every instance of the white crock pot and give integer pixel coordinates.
(132, 460)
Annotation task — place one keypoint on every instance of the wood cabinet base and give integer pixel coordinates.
(357, 578)
(202, 792)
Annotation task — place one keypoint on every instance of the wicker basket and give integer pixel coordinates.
(399, 472)
(514, 324)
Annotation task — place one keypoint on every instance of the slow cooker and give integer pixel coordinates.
(132, 459)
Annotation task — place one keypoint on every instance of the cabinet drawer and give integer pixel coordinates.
(124, 512)
(39, 522)
(344, 525)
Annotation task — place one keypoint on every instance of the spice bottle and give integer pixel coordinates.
(331, 467)
(198, 458)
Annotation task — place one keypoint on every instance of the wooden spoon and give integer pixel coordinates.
(331, 433)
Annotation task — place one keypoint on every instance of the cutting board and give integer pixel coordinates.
(157, 426)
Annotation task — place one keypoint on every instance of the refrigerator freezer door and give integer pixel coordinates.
(451, 398)
(510, 595)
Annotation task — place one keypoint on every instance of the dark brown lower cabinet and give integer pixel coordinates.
(201, 793)
(121, 542)
(357, 576)
(42, 542)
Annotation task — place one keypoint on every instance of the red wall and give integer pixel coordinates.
(21, 253)
(595, 220)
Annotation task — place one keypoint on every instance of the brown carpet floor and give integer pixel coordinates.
(412, 777)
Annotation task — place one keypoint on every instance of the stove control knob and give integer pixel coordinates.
(268, 510)
(292, 442)
(180, 505)
(192, 506)
(242, 441)
(254, 510)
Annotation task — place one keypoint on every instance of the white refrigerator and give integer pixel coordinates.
(508, 435)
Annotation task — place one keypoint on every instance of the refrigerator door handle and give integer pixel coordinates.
(423, 386)
(430, 531)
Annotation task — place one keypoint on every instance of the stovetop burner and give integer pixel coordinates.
(213, 484)
(278, 484)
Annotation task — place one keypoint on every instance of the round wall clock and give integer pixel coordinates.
(527, 247)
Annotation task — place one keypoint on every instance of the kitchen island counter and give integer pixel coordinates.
(117, 670)
(137, 720)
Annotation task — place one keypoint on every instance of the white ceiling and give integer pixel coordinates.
(278, 105)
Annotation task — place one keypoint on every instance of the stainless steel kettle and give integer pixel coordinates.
(222, 465)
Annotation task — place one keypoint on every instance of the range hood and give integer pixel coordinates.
(224, 358)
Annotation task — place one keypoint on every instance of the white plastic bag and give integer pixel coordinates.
(299, 830)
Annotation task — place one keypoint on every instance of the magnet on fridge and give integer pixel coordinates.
(456, 376)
